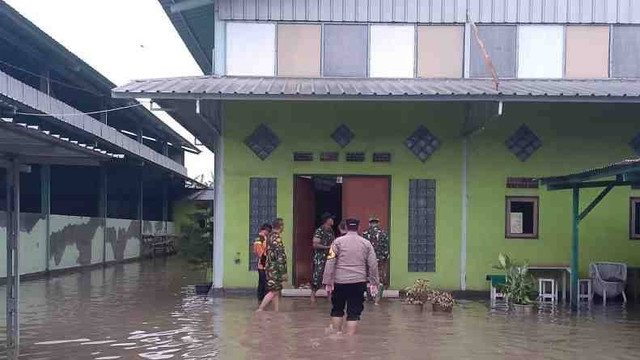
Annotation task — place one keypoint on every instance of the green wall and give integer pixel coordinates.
(574, 137)
(377, 127)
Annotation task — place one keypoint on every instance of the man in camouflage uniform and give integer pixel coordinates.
(322, 239)
(380, 241)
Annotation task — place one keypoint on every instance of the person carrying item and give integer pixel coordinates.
(351, 263)
(275, 266)
(322, 239)
(380, 241)
(259, 249)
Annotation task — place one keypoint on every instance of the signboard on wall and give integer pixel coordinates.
(516, 223)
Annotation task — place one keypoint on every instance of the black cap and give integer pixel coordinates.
(326, 216)
(352, 222)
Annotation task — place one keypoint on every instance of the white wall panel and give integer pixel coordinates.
(540, 51)
(251, 49)
(392, 51)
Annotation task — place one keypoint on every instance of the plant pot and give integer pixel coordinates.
(440, 308)
(203, 289)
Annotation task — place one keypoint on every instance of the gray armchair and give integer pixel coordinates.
(609, 279)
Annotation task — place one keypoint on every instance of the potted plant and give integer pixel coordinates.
(441, 301)
(416, 294)
(519, 285)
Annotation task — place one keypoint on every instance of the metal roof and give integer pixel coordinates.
(13, 24)
(614, 169)
(195, 25)
(211, 87)
(21, 96)
(434, 11)
(33, 145)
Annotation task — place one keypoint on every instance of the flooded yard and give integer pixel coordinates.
(147, 310)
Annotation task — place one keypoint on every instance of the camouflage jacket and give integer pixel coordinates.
(380, 241)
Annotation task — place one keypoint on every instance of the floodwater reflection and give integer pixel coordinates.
(147, 310)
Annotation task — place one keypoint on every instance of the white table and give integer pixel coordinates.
(566, 275)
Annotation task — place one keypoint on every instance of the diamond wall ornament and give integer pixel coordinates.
(262, 141)
(523, 143)
(342, 135)
(635, 144)
(422, 143)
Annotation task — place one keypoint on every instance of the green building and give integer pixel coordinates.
(394, 111)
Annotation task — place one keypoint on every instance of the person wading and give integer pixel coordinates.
(380, 241)
(259, 249)
(351, 263)
(275, 266)
(322, 239)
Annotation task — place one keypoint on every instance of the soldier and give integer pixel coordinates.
(259, 249)
(350, 265)
(322, 239)
(380, 241)
(275, 266)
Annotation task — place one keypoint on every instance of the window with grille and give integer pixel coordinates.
(262, 209)
(422, 225)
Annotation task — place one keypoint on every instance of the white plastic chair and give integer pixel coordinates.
(547, 290)
(609, 279)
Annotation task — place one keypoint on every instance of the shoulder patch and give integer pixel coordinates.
(332, 254)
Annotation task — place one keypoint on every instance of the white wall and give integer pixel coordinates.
(251, 49)
(540, 51)
(392, 51)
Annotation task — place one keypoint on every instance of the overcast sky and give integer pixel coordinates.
(124, 40)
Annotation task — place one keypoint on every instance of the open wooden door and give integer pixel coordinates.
(366, 196)
(363, 197)
(303, 228)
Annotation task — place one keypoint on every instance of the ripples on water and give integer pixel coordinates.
(147, 310)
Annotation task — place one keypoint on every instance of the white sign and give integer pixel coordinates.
(516, 223)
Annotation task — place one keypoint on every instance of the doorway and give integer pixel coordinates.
(343, 196)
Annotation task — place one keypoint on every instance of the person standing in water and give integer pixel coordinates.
(322, 239)
(275, 266)
(380, 241)
(351, 263)
(259, 249)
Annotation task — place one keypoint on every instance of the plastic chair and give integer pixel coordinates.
(609, 279)
(547, 290)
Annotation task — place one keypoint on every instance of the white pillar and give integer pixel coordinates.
(218, 224)
(463, 240)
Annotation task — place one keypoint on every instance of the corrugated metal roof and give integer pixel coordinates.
(59, 57)
(617, 168)
(210, 87)
(196, 28)
(435, 11)
(18, 136)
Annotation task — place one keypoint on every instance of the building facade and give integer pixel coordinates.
(77, 212)
(404, 110)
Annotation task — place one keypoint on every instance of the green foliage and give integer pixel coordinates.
(197, 241)
(519, 284)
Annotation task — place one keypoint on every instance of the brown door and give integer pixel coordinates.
(363, 197)
(303, 228)
(366, 196)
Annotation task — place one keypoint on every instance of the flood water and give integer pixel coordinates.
(147, 310)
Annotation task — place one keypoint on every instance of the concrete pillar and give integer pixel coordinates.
(13, 257)
(218, 212)
(102, 209)
(141, 199)
(45, 83)
(45, 207)
(165, 203)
